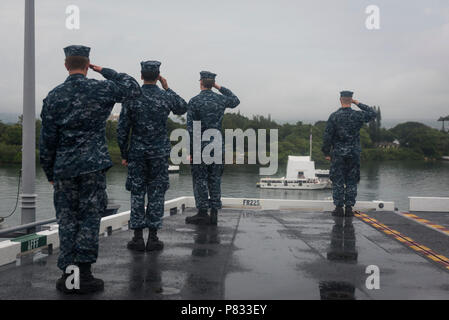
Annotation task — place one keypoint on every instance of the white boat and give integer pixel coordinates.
(173, 169)
(323, 175)
(292, 184)
(445, 158)
(301, 175)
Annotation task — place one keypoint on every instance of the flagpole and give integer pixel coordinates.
(310, 145)
(28, 196)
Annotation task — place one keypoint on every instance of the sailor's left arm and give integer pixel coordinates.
(192, 116)
(48, 140)
(123, 130)
(328, 137)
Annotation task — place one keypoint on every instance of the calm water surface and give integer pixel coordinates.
(388, 181)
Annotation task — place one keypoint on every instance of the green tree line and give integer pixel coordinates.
(416, 140)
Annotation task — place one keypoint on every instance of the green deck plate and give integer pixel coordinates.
(31, 241)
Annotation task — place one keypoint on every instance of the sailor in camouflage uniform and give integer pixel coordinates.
(145, 148)
(208, 107)
(74, 156)
(341, 145)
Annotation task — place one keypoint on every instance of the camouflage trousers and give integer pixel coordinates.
(80, 203)
(207, 185)
(345, 174)
(147, 177)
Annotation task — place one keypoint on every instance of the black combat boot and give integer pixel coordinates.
(137, 243)
(61, 285)
(201, 218)
(213, 217)
(338, 212)
(88, 284)
(348, 211)
(153, 243)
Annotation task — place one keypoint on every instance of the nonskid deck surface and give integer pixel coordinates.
(439, 218)
(250, 255)
(429, 229)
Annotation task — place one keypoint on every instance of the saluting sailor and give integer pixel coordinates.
(341, 145)
(145, 148)
(74, 157)
(208, 107)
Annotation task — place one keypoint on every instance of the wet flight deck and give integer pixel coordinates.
(262, 254)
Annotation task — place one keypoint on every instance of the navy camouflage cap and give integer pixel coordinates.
(150, 65)
(77, 50)
(346, 94)
(207, 75)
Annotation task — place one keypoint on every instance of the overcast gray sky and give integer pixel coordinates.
(289, 59)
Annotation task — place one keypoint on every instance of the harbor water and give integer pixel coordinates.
(388, 181)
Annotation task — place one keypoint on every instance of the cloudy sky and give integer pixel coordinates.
(285, 58)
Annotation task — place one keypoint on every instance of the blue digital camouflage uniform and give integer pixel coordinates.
(74, 154)
(144, 143)
(208, 107)
(341, 141)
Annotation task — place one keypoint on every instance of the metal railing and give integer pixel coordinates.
(34, 226)
(27, 228)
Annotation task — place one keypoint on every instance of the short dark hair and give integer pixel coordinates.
(346, 100)
(150, 75)
(208, 83)
(76, 62)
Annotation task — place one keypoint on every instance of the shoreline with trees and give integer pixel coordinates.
(405, 141)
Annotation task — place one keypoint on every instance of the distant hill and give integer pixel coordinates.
(386, 123)
(9, 117)
(433, 123)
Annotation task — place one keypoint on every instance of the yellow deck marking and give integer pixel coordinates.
(426, 222)
(442, 257)
(432, 257)
(423, 250)
(437, 226)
